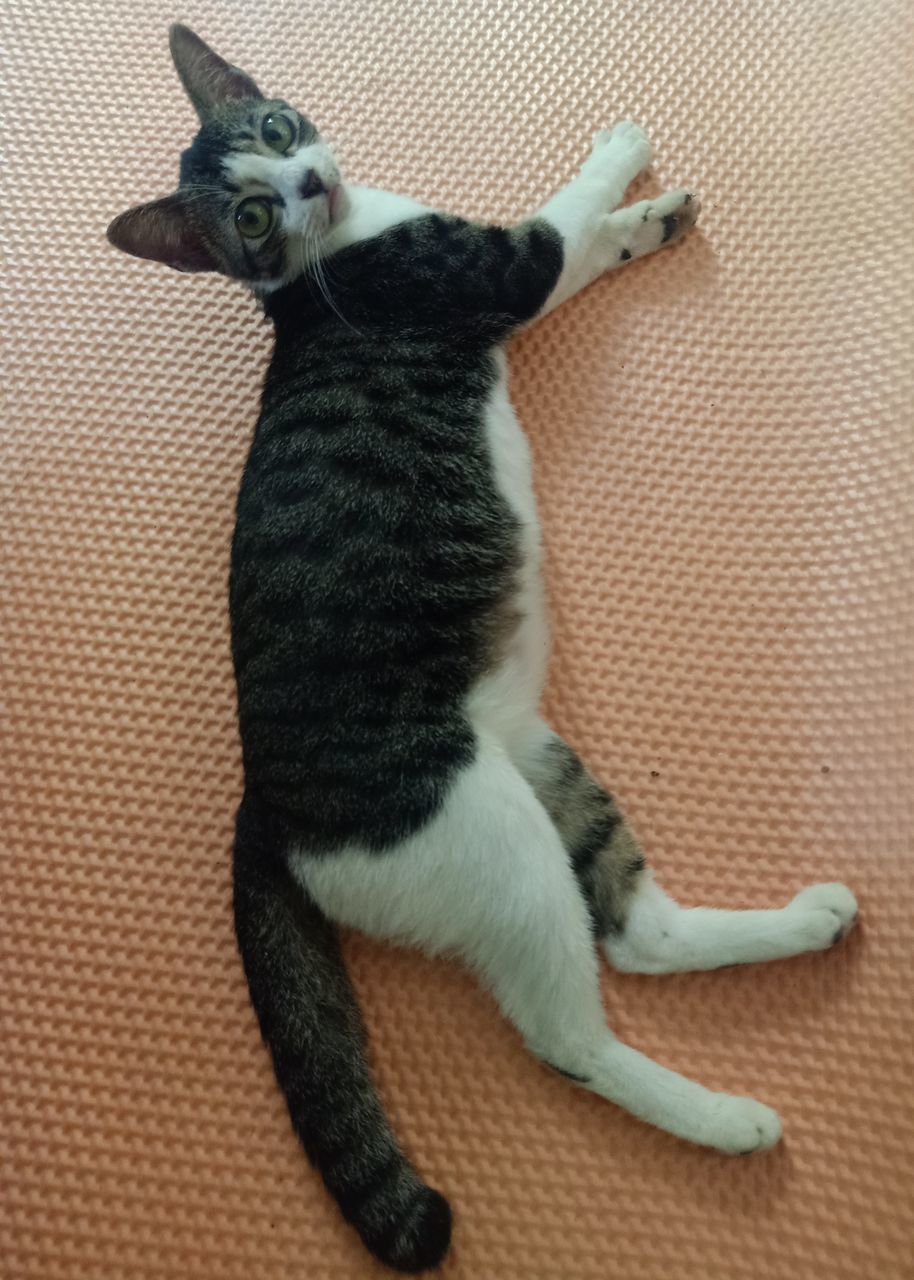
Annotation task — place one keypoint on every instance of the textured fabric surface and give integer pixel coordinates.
(723, 436)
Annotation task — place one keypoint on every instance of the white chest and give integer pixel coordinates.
(510, 454)
(502, 702)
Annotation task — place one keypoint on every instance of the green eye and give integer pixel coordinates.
(254, 217)
(277, 133)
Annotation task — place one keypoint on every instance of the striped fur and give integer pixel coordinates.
(374, 558)
(310, 1019)
(603, 851)
(389, 640)
(373, 569)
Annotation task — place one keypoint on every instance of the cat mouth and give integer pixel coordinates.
(333, 201)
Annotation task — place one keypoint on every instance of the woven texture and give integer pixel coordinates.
(725, 454)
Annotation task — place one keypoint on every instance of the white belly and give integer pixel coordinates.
(503, 701)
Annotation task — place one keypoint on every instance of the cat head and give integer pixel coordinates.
(258, 190)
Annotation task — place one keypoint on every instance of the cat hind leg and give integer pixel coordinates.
(642, 930)
(489, 879)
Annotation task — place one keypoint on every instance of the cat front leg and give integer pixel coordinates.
(641, 228)
(594, 237)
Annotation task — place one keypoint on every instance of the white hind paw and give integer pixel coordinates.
(739, 1126)
(823, 914)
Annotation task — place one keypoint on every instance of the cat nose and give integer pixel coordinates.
(311, 185)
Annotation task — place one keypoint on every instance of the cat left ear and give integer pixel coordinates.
(160, 230)
(208, 79)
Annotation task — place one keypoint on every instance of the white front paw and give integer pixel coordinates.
(738, 1126)
(823, 914)
(626, 145)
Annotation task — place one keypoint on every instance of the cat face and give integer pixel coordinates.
(258, 189)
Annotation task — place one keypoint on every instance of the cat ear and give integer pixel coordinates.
(160, 230)
(208, 79)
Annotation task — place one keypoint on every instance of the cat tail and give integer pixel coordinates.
(310, 1019)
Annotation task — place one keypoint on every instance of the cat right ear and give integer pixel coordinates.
(160, 230)
(208, 79)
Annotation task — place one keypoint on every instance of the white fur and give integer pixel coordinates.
(254, 171)
(662, 937)
(488, 877)
(503, 703)
(579, 211)
(365, 212)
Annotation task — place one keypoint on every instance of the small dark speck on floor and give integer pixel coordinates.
(655, 773)
(826, 768)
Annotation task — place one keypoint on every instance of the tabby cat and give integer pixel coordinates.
(389, 641)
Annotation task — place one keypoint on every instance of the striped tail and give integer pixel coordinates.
(309, 1017)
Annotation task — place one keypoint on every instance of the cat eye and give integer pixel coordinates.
(278, 133)
(254, 217)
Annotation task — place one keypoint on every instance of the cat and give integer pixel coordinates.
(389, 641)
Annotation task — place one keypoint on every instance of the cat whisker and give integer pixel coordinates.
(313, 266)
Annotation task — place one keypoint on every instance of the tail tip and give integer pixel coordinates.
(422, 1239)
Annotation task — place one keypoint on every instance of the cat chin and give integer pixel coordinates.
(263, 287)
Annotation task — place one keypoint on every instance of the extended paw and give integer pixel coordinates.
(739, 1126)
(625, 145)
(823, 913)
(675, 212)
(641, 228)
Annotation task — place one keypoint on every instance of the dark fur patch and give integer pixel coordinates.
(670, 223)
(602, 850)
(372, 582)
(309, 1017)
(374, 560)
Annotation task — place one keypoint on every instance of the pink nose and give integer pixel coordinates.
(311, 185)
